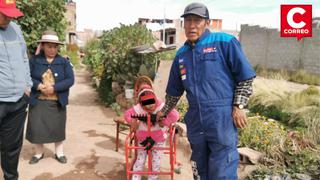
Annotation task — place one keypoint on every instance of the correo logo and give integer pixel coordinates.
(296, 21)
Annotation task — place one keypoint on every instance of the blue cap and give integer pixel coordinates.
(196, 9)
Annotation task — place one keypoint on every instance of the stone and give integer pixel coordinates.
(303, 176)
(245, 170)
(116, 88)
(248, 155)
(276, 177)
(182, 129)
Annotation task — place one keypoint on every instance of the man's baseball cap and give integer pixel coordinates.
(196, 9)
(8, 8)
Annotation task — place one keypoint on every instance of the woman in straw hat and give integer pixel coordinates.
(52, 77)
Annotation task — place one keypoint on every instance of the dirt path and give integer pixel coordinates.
(89, 145)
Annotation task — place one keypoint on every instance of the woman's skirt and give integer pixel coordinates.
(46, 122)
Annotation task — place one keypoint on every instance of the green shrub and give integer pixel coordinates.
(40, 15)
(117, 108)
(168, 55)
(93, 58)
(112, 59)
(286, 152)
(261, 134)
(182, 108)
(271, 111)
(73, 57)
(105, 90)
(121, 63)
(73, 47)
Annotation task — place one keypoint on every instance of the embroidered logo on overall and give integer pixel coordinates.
(209, 50)
(183, 70)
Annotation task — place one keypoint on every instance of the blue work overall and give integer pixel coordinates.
(209, 71)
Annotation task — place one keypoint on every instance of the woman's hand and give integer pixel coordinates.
(41, 86)
(47, 90)
(134, 125)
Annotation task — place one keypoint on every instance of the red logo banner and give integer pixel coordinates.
(296, 21)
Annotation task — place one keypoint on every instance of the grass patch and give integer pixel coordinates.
(300, 76)
(304, 78)
(73, 57)
(295, 110)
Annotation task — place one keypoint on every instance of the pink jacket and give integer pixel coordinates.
(158, 133)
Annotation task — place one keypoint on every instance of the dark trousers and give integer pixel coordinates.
(12, 118)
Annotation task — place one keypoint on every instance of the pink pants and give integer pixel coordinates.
(141, 159)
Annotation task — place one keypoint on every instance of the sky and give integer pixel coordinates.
(107, 14)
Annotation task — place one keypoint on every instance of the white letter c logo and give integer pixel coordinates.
(290, 17)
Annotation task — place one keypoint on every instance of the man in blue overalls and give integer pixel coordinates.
(213, 70)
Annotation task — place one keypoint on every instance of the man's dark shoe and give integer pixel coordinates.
(35, 160)
(61, 159)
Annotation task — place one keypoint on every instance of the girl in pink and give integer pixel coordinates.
(149, 103)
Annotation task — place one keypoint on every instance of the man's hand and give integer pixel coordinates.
(27, 92)
(134, 125)
(239, 117)
(160, 117)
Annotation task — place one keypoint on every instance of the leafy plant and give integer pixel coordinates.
(94, 58)
(286, 152)
(39, 15)
(105, 90)
(73, 57)
(182, 108)
(121, 63)
(117, 108)
(296, 149)
(112, 59)
(168, 55)
(261, 134)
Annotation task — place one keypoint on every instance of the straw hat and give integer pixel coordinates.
(50, 37)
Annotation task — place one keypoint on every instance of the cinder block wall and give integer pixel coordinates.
(265, 47)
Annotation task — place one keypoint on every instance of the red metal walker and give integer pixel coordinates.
(168, 150)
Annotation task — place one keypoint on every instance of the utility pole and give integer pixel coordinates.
(164, 26)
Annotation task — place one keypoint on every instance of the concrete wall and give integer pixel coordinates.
(71, 17)
(265, 47)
